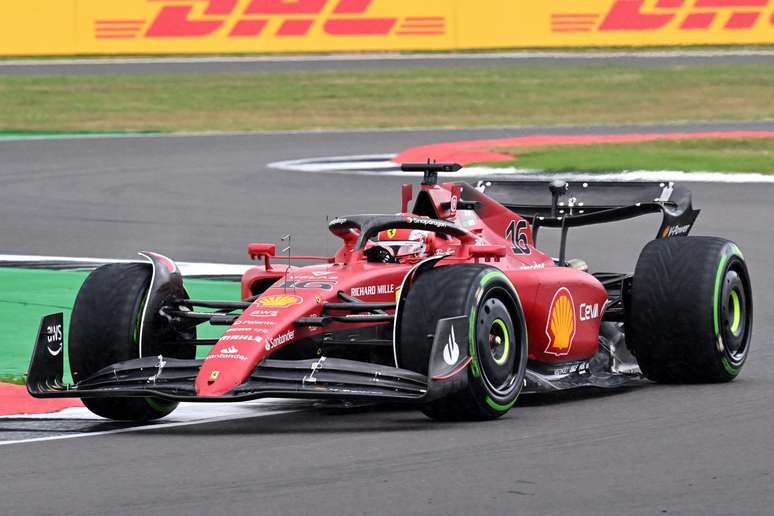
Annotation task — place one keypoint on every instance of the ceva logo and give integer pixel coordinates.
(652, 15)
(275, 18)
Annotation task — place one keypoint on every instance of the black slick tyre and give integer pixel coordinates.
(498, 337)
(690, 315)
(105, 328)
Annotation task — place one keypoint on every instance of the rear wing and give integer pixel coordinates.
(583, 203)
(562, 204)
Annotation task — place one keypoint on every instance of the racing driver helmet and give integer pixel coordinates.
(404, 243)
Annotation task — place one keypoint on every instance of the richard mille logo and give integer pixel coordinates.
(451, 351)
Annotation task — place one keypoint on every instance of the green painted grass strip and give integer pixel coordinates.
(26, 295)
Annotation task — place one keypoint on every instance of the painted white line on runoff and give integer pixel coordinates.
(381, 165)
(515, 55)
(631, 175)
(361, 163)
(204, 416)
(366, 164)
(186, 268)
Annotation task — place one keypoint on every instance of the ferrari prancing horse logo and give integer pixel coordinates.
(560, 327)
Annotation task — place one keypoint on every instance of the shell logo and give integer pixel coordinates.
(560, 327)
(280, 301)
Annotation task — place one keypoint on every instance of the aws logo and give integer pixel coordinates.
(560, 327)
(652, 15)
(274, 18)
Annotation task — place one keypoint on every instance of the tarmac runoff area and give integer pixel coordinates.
(480, 151)
(659, 449)
(247, 64)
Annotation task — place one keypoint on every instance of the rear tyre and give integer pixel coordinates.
(105, 329)
(497, 333)
(690, 316)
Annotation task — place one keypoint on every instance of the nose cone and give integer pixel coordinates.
(264, 327)
(213, 383)
(229, 363)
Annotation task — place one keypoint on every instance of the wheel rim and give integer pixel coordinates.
(734, 316)
(499, 341)
(496, 337)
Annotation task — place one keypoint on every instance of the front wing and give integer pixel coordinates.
(323, 377)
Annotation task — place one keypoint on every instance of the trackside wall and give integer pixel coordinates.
(76, 27)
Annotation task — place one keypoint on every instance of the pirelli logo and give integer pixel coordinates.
(683, 15)
(266, 18)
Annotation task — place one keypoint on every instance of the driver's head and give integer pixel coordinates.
(404, 243)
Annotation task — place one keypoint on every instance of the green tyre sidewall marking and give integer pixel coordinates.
(731, 251)
(497, 406)
(716, 295)
(475, 369)
(728, 366)
(161, 406)
(474, 366)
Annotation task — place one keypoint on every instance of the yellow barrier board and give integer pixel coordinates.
(62, 27)
(564, 23)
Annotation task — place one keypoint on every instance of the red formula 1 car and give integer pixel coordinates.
(449, 305)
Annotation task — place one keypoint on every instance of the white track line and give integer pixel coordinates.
(631, 175)
(361, 162)
(186, 268)
(143, 428)
(315, 58)
(366, 164)
(380, 165)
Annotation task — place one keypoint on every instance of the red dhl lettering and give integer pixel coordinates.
(202, 18)
(645, 15)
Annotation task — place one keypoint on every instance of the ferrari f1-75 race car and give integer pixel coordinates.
(448, 305)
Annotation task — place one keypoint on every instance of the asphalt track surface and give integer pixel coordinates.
(225, 64)
(654, 450)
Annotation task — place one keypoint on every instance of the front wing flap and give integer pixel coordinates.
(174, 379)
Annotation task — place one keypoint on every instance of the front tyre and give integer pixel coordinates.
(105, 329)
(690, 316)
(497, 336)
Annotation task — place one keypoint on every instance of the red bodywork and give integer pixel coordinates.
(563, 306)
